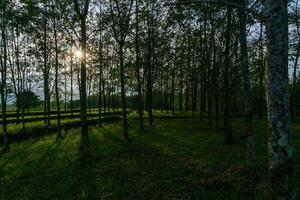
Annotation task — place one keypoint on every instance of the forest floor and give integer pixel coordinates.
(174, 159)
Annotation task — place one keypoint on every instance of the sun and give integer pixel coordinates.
(78, 54)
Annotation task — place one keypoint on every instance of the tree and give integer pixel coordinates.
(120, 28)
(82, 15)
(3, 71)
(56, 71)
(250, 141)
(29, 99)
(280, 130)
(227, 124)
(139, 84)
(150, 32)
(46, 69)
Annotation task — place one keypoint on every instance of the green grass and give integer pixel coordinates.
(15, 129)
(175, 159)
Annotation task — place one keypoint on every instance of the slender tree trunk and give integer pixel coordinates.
(100, 75)
(17, 90)
(59, 136)
(65, 101)
(294, 88)
(44, 74)
(173, 88)
(250, 141)
(261, 73)
(209, 77)
(123, 92)
(71, 92)
(217, 95)
(103, 93)
(109, 100)
(46, 81)
(181, 91)
(3, 89)
(84, 143)
(149, 92)
(89, 96)
(201, 92)
(150, 29)
(227, 124)
(215, 77)
(280, 129)
(100, 85)
(139, 84)
(161, 94)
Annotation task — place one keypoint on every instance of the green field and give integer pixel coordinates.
(175, 159)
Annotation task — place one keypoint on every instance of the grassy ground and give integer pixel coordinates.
(175, 159)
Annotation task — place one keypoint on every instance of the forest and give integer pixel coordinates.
(149, 99)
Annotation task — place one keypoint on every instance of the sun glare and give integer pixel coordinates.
(78, 54)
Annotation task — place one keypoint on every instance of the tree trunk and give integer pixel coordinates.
(84, 143)
(280, 129)
(71, 77)
(123, 92)
(250, 141)
(65, 100)
(227, 124)
(3, 86)
(294, 88)
(261, 73)
(100, 85)
(59, 136)
(46, 81)
(139, 84)
(181, 91)
(173, 88)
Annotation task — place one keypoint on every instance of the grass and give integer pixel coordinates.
(17, 129)
(175, 159)
(31, 127)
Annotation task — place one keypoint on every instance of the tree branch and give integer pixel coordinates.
(227, 3)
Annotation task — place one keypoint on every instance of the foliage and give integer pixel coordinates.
(29, 99)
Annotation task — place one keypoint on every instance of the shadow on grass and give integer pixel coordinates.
(173, 160)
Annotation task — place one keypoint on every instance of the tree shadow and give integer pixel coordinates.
(168, 163)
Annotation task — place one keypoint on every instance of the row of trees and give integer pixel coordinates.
(185, 55)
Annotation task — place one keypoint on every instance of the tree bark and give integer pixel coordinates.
(46, 80)
(71, 77)
(250, 140)
(123, 95)
(261, 73)
(294, 88)
(59, 136)
(149, 65)
(3, 86)
(84, 143)
(227, 124)
(139, 84)
(280, 129)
